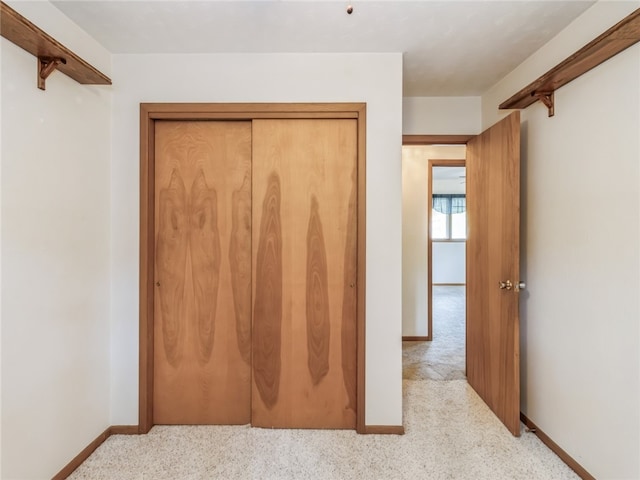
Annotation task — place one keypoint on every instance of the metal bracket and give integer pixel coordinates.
(46, 66)
(547, 99)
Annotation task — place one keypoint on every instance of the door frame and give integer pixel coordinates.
(152, 112)
(434, 163)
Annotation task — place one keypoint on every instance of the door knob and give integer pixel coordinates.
(520, 286)
(505, 285)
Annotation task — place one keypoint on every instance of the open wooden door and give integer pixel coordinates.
(493, 268)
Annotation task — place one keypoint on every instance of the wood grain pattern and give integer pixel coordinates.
(349, 300)
(152, 114)
(493, 255)
(200, 374)
(147, 271)
(171, 249)
(313, 159)
(361, 267)
(240, 262)
(204, 247)
(317, 298)
(267, 311)
(17, 29)
(616, 39)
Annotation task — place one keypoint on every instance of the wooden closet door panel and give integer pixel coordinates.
(202, 297)
(304, 271)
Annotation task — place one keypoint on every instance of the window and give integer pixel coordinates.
(449, 217)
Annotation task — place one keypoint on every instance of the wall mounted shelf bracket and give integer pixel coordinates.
(547, 99)
(51, 54)
(619, 37)
(46, 66)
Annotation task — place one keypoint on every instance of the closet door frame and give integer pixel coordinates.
(152, 112)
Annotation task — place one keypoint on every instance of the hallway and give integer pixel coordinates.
(444, 357)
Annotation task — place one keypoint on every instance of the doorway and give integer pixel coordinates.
(447, 229)
(433, 315)
(446, 250)
(493, 260)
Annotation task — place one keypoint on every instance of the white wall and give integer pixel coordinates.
(425, 116)
(449, 262)
(55, 256)
(441, 115)
(372, 78)
(415, 178)
(580, 250)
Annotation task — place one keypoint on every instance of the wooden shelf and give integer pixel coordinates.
(51, 54)
(610, 43)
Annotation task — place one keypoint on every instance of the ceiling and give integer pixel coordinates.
(451, 48)
(449, 180)
(449, 173)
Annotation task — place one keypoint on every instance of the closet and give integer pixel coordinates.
(203, 273)
(255, 272)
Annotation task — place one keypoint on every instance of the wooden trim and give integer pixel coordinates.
(460, 162)
(147, 246)
(17, 29)
(449, 284)
(254, 115)
(618, 38)
(555, 448)
(383, 430)
(436, 139)
(430, 250)
(361, 269)
(69, 468)
(151, 112)
(249, 111)
(82, 456)
(124, 430)
(414, 339)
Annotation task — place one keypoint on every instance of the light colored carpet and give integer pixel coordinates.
(443, 358)
(450, 434)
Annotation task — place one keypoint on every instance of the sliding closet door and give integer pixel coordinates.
(304, 273)
(202, 295)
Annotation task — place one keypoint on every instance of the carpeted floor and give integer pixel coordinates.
(449, 434)
(443, 358)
